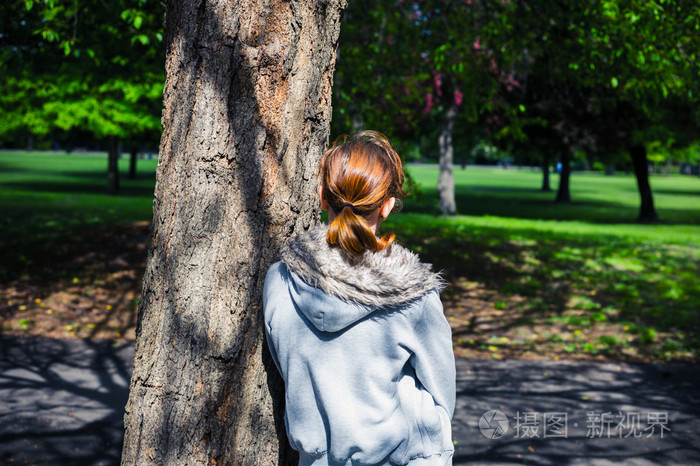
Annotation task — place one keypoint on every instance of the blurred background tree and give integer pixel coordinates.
(543, 80)
(82, 71)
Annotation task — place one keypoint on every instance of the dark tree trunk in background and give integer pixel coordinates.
(247, 107)
(610, 169)
(30, 142)
(545, 174)
(647, 213)
(132, 162)
(446, 182)
(113, 153)
(563, 194)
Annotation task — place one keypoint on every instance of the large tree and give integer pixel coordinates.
(245, 121)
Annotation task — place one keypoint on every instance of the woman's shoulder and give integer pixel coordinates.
(386, 278)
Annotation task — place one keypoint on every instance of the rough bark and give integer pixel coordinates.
(132, 162)
(446, 182)
(113, 153)
(647, 212)
(247, 107)
(563, 194)
(545, 175)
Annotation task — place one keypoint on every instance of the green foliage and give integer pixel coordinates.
(76, 66)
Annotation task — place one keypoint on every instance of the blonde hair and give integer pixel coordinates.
(365, 172)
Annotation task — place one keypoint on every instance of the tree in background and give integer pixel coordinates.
(411, 68)
(247, 107)
(605, 77)
(93, 67)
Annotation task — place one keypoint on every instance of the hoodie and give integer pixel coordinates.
(365, 352)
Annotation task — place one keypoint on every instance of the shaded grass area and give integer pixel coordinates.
(47, 200)
(527, 277)
(567, 289)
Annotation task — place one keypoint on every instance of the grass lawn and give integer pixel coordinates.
(527, 277)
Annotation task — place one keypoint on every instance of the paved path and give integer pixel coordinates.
(61, 402)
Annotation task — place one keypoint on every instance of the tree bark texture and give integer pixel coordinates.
(647, 212)
(247, 107)
(446, 181)
(113, 153)
(563, 193)
(545, 175)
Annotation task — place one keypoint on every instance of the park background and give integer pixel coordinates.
(540, 262)
(552, 150)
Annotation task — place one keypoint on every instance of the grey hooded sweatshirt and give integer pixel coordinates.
(365, 352)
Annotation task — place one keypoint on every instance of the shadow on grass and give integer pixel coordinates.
(532, 203)
(575, 280)
(83, 182)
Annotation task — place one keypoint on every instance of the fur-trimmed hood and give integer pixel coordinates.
(373, 280)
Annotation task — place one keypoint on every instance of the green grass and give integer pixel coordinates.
(581, 264)
(47, 198)
(641, 278)
(584, 265)
(595, 197)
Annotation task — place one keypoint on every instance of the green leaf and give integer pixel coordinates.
(138, 21)
(613, 81)
(29, 4)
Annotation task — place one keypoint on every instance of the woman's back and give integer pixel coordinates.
(356, 328)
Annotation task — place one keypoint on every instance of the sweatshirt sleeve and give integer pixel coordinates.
(274, 282)
(433, 358)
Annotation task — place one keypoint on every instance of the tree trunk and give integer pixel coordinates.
(647, 213)
(113, 165)
(30, 141)
(132, 162)
(563, 194)
(446, 182)
(610, 169)
(545, 175)
(247, 107)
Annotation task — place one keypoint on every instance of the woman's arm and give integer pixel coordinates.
(433, 358)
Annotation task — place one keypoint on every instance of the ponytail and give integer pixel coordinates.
(352, 233)
(358, 177)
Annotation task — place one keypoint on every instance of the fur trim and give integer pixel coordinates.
(385, 278)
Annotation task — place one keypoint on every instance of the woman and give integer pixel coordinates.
(355, 325)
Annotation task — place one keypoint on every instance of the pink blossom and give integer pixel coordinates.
(458, 97)
(477, 44)
(437, 80)
(428, 103)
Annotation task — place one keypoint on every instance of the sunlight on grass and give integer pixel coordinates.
(576, 275)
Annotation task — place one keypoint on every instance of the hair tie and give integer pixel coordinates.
(344, 204)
